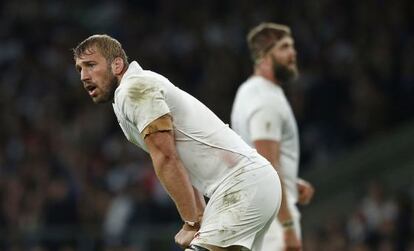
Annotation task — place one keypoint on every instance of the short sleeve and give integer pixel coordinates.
(266, 124)
(144, 103)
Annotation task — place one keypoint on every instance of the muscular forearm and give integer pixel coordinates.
(175, 180)
(173, 176)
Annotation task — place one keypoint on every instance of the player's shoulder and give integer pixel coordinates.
(247, 90)
(255, 85)
(145, 83)
(257, 89)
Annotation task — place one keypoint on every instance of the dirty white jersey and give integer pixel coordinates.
(208, 148)
(261, 112)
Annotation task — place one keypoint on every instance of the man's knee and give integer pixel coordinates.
(196, 248)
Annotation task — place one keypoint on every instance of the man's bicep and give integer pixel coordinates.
(161, 145)
(161, 124)
(159, 138)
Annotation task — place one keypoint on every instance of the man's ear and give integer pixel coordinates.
(266, 62)
(117, 66)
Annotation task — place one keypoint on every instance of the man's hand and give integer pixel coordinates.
(305, 190)
(184, 237)
(292, 242)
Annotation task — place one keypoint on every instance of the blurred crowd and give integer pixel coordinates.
(64, 161)
(381, 220)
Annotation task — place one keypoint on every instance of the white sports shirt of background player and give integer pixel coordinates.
(262, 112)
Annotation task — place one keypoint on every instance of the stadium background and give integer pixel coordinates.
(70, 181)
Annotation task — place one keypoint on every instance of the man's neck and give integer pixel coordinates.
(121, 75)
(266, 74)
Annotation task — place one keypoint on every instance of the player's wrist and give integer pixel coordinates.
(191, 225)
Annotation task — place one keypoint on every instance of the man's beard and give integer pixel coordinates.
(283, 73)
(109, 91)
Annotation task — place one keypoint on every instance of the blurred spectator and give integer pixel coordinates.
(381, 222)
(379, 213)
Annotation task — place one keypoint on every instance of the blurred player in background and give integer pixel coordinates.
(192, 151)
(263, 117)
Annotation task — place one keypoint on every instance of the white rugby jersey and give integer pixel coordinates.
(261, 112)
(208, 148)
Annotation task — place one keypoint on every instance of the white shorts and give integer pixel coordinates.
(241, 209)
(274, 237)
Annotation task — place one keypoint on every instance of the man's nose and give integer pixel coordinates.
(293, 52)
(84, 75)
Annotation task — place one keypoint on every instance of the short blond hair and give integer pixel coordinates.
(263, 37)
(109, 47)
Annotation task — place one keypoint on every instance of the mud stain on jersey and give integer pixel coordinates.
(141, 91)
(231, 198)
(268, 124)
